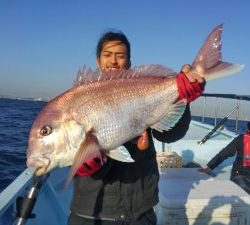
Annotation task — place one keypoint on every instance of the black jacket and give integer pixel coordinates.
(234, 148)
(124, 191)
(239, 174)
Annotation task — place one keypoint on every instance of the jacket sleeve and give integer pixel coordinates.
(178, 131)
(228, 151)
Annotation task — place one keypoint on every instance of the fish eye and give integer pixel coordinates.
(46, 130)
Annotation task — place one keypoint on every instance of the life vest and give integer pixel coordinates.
(246, 150)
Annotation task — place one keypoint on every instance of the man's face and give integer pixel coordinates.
(113, 56)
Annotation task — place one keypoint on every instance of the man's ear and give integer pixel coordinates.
(128, 64)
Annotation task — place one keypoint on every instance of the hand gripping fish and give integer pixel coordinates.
(104, 110)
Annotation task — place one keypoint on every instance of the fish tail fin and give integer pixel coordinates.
(208, 62)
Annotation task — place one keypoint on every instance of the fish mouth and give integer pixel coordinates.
(41, 164)
(41, 171)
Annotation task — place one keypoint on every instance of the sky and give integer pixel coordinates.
(44, 43)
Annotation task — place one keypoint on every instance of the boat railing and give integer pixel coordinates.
(223, 107)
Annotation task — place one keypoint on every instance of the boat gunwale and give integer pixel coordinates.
(15, 189)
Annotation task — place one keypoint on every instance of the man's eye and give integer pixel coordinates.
(121, 56)
(46, 130)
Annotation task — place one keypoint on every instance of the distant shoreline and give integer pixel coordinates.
(39, 99)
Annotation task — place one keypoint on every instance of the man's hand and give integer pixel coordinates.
(205, 170)
(91, 166)
(190, 84)
(192, 76)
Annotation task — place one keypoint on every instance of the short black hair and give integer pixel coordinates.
(112, 35)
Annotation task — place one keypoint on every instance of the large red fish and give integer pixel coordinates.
(106, 109)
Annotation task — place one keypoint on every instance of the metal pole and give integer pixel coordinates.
(203, 140)
(216, 112)
(237, 117)
(163, 147)
(26, 205)
(204, 109)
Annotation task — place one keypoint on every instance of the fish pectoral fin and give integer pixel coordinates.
(120, 153)
(89, 148)
(172, 116)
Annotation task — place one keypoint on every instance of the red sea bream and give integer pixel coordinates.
(106, 109)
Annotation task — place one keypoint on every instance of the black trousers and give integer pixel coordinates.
(148, 218)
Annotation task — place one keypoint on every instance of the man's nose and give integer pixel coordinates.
(114, 59)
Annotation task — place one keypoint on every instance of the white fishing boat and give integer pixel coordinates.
(187, 196)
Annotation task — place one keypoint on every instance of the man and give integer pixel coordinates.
(109, 192)
(240, 148)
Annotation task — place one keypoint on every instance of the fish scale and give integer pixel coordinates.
(112, 117)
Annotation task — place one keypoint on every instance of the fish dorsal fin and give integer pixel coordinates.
(151, 70)
(86, 75)
(173, 115)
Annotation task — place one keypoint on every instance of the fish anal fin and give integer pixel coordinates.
(172, 116)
